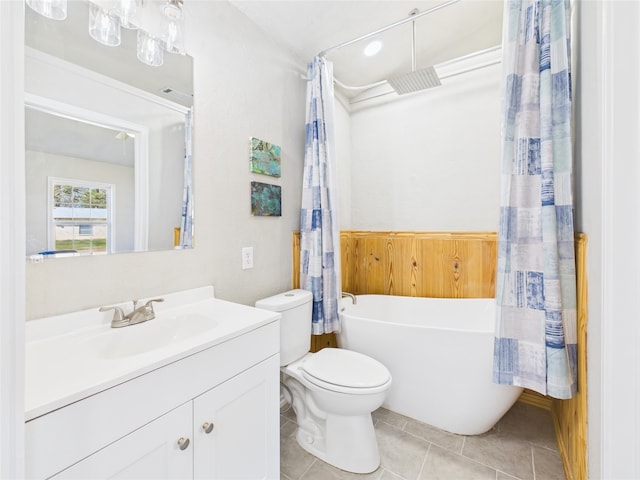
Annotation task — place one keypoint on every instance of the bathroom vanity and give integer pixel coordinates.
(193, 393)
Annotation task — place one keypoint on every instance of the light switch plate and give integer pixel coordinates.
(247, 257)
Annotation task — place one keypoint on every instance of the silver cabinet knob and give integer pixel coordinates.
(183, 443)
(207, 427)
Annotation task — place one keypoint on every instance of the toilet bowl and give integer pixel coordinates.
(333, 391)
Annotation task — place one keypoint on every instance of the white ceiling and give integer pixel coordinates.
(308, 27)
(58, 135)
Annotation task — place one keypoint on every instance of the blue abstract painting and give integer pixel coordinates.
(265, 157)
(265, 199)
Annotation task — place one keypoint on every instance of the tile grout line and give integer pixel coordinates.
(424, 461)
(533, 463)
(308, 468)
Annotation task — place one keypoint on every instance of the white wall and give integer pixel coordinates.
(12, 249)
(429, 161)
(166, 181)
(245, 85)
(588, 148)
(343, 161)
(607, 151)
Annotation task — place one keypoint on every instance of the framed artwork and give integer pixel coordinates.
(266, 200)
(264, 157)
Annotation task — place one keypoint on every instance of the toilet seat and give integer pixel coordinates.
(345, 371)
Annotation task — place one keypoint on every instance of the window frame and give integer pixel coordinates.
(52, 223)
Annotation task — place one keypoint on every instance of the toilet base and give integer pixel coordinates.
(349, 443)
(336, 427)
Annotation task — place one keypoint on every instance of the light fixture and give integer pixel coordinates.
(130, 13)
(372, 48)
(150, 49)
(173, 9)
(54, 9)
(173, 26)
(160, 23)
(122, 135)
(172, 37)
(104, 26)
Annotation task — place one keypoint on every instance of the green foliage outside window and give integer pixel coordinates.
(70, 196)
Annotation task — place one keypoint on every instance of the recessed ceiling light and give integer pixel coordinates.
(373, 48)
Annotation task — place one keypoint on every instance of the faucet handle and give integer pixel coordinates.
(148, 308)
(118, 314)
(136, 303)
(150, 302)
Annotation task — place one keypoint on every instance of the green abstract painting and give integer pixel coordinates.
(265, 199)
(265, 157)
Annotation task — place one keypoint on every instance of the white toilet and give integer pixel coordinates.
(334, 390)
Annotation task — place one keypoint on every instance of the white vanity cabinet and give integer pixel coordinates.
(225, 433)
(222, 399)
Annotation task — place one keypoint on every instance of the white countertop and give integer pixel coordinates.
(70, 357)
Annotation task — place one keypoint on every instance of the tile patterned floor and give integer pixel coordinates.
(522, 446)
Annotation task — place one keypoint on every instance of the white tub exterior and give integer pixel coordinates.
(440, 354)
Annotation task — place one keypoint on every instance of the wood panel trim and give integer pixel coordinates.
(570, 416)
(536, 399)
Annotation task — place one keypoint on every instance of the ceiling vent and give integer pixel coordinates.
(177, 95)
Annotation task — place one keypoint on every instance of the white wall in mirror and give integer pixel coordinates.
(158, 188)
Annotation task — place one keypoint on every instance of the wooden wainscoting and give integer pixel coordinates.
(457, 265)
(570, 416)
(415, 264)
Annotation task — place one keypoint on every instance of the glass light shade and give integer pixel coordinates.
(172, 10)
(54, 9)
(130, 13)
(150, 49)
(104, 27)
(172, 35)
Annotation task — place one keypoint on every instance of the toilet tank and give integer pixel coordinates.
(295, 306)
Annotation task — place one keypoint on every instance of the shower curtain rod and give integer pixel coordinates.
(411, 18)
(440, 65)
(384, 94)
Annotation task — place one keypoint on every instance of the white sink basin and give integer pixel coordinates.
(72, 356)
(150, 335)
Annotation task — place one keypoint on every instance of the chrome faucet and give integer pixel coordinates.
(351, 296)
(139, 314)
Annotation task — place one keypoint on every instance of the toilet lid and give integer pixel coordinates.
(345, 368)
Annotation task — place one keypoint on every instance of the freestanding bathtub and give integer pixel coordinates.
(440, 354)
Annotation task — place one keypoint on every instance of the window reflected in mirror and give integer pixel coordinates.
(81, 213)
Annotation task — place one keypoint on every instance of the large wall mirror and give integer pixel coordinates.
(108, 142)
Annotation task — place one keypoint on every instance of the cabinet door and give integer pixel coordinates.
(244, 442)
(151, 452)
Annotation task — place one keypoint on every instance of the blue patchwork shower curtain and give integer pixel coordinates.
(535, 344)
(319, 228)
